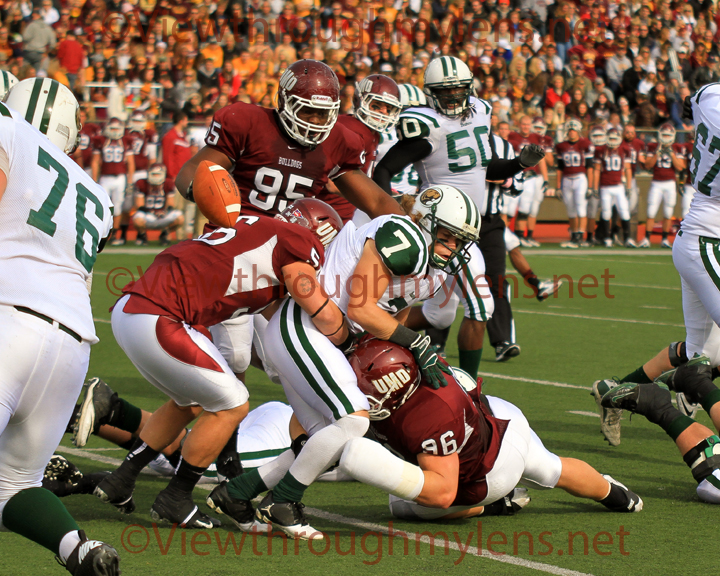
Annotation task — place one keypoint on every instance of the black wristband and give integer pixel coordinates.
(403, 336)
(189, 195)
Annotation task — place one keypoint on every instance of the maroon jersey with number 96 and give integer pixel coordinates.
(225, 273)
(272, 169)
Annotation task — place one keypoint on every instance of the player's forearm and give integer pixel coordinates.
(438, 491)
(500, 169)
(371, 318)
(543, 169)
(364, 194)
(383, 178)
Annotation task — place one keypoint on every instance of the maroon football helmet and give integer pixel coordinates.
(314, 215)
(378, 89)
(156, 174)
(387, 374)
(308, 84)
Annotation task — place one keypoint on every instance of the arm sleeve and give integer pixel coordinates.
(499, 169)
(352, 155)
(397, 158)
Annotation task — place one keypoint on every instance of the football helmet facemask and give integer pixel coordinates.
(157, 174)
(444, 206)
(314, 215)
(386, 373)
(51, 107)
(539, 126)
(374, 90)
(448, 85)
(137, 122)
(614, 138)
(7, 81)
(308, 84)
(114, 129)
(598, 136)
(666, 134)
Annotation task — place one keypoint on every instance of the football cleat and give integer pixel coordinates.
(61, 469)
(92, 558)
(524, 242)
(240, 512)
(637, 398)
(570, 244)
(141, 239)
(609, 417)
(665, 243)
(509, 505)
(644, 243)
(506, 350)
(163, 238)
(688, 408)
(286, 516)
(547, 288)
(118, 242)
(96, 407)
(175, 507)
(532, 243)
(634, 502)
(684, 380)
(113, 489)
(608, 243)
(630, 243)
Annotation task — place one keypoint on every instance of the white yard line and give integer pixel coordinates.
(605, 319)
(533, 381)
(583, 413)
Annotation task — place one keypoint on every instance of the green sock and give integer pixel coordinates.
(289, 489)
(131, 417)
(246, 486)
(470, 361)
(710, 400)
(40, 516)
(637, 377)
(678, 426)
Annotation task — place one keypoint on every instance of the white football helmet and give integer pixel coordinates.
(137, 122)
(411, 95)
(442, 75)
(614, 138)
(114, 130)
(539, 126)
(666, 134)
(7, 81)
(573, 124)
(464, 379)
(444, 206)
(598, 136)
(157, 174)
(381, 89)
(49, 106)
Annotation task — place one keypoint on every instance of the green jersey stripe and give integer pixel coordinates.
(415, 113)
(318, 363)
(34, 95)
(472, 295)
(299, 362)
(4, 111)
(710, 248)
(47, 110)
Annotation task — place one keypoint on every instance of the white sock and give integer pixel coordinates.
(325, 446)
(68, 543)
(371, 463)
(272, 472)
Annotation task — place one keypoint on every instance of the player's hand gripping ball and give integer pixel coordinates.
(216, 194)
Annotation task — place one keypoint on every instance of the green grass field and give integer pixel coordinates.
(566, 342)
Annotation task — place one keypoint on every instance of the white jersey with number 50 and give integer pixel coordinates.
(52, 218)
(703, 218)
(403, 249)
(460, 147)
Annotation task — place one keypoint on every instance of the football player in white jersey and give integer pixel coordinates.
(7, 81)
(449, 143)
(53, 221)
(374, 274)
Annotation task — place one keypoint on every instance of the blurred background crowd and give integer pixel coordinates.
(603, 62)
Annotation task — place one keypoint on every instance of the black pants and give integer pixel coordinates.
(492, 246)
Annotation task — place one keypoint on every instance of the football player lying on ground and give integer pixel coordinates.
(374, 273)
(463, 451)
(699, 446)
(160, 321)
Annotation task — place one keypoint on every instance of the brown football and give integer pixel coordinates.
(216, 194)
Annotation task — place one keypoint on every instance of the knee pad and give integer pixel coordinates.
(298, 443)
(677, 353)
(708, 490)
(704, 459)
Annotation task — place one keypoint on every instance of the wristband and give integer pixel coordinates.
(403, 336)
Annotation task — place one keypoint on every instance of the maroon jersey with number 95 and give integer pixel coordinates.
(271, 169)
(225, 273)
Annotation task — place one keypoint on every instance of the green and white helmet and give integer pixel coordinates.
(443, 206)
(464, 379)
(411, 95)
(442, 76)
(49, 106)
(7, 81)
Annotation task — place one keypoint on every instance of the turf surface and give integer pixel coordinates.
(566, 340)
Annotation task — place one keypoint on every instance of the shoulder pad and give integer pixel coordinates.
(402, 247)
(415, 125)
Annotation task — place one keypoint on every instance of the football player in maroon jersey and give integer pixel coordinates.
(574, 171)
(113, 167)
(612, 164)
(277, 156)
(376, 109)
(636, 147)
(160, 323)
(154, 200)
(534, 184)
(666, 158)
(462, 450)
(88, 133)
(144, 145)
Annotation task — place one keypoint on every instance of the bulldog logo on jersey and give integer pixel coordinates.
(431, 196)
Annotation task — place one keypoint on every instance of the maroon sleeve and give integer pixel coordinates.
(296, 244)
(350, 155)
(230, 128)
(679, 149)
(141, 186)
(97, 141)
(652, 148)
(434, 429)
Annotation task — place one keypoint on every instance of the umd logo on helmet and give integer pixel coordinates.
(391, 382)
(431, 196)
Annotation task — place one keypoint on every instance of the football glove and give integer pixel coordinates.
(591, 193)
(427, 361)
(687, 112)
(531, 155)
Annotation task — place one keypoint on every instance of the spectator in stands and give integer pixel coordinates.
(645, 114)
(577, 98)
(184, 89)
(599, 88)
(626, 115)
(616, 66)
(631, 79)
(38, 39)
(49, 13)
(208, 75)
(117, 99)
(71, 55)
(705, 74)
